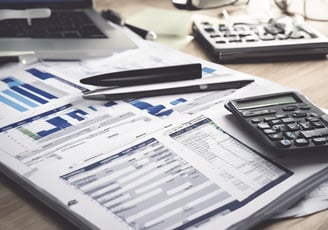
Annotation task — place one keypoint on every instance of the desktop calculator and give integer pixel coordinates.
(283, 121)
(252, 41)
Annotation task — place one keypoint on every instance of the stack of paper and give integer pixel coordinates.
(148, 163)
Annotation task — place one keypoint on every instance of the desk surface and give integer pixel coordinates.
(20, 210)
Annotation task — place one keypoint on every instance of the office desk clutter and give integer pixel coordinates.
(174, 160)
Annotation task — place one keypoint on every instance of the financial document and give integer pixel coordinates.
(152, 185)
(48, 116)
(143, 163)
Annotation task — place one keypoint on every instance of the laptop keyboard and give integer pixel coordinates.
(59, 25)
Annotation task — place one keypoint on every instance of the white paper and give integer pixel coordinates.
(158, 162)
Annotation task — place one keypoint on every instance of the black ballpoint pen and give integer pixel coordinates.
(171, 88)
(116, 18)
(146, 76)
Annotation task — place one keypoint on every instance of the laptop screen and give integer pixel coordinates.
(53, 4)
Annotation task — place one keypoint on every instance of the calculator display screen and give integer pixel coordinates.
(263, 102)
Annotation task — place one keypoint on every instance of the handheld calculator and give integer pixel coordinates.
(283, 121)
(256, 40)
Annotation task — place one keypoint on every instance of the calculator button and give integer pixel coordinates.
(313, 119)
(256, 120)
(293, 127)
(269, 131)
(291, 135)
(319, 140)
(275, 122)
(280, 116)
(235, 40)
(298, 114)
(285, 143)
(263, 125)
(251, 39)
(280, 127)
(209, 28)
(230, 35)
(296, 35)
(266, 37)
(318, 124)
(244, 34)
(289, 108)
(288, 120)
(282, 36)
(301, 142)
(272, 29)
(314, 133)
(220, 41)
(304, 107)
(310, 133)
(215, 35)
(223, 27)
(258, 112)
(241, 28)
(313, 115)
(269, 118)
(306, 125)
(276, 136)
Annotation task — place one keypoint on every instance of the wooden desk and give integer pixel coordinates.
(20, 210)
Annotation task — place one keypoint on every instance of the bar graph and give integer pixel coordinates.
(32, 135)
(156, 110)
(56, 121)
(46, 76)
(32, 88)
(167, 106)
(22, 96)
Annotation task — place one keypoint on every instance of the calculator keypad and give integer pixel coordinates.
(252, 40)
(225, 33)
(290, 126)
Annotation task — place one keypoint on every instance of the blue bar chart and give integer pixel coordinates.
(55, 126)
(31, 88)
(46, 76)
(23, 96)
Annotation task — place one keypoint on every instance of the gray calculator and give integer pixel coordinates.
(283, 121)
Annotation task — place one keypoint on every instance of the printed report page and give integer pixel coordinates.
(179, 177)
(151, 163)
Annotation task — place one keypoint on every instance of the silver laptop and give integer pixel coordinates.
(87, 35)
